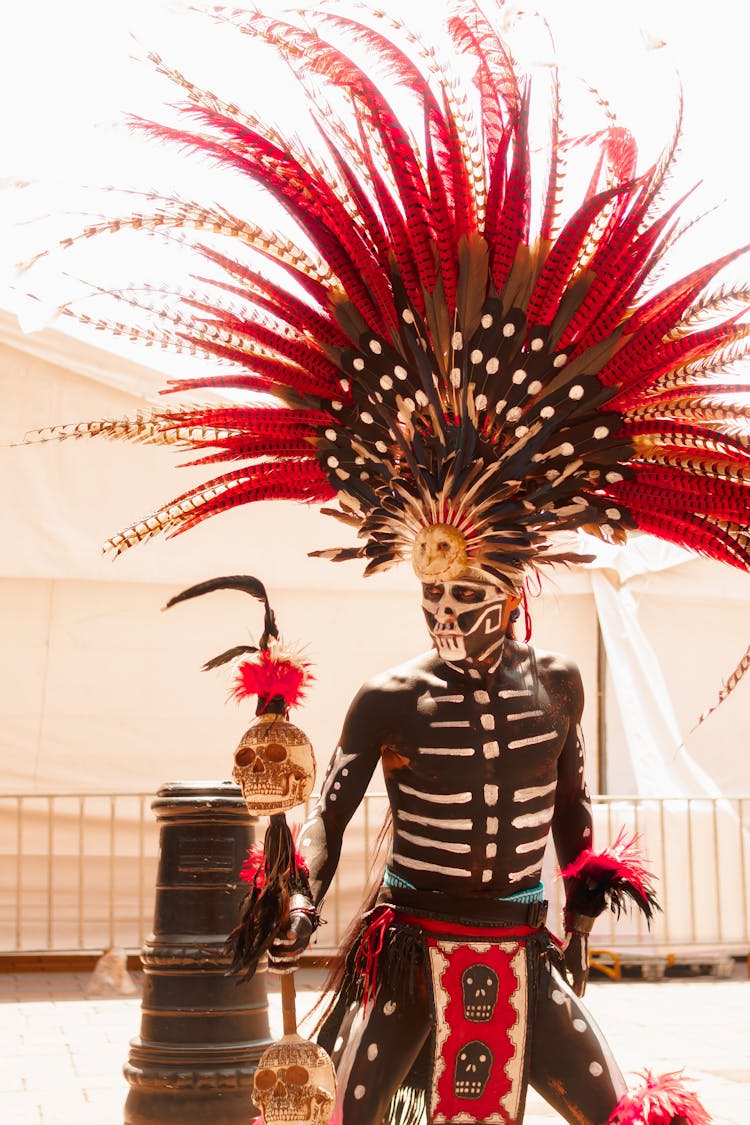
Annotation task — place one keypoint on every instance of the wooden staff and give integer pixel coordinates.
(289, 1003)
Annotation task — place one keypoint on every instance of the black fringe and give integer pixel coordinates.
(267, 905)
(403, 949)
(592, 897)
(408, 1107)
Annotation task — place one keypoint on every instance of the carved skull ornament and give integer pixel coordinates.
(274, 766)
(295, 1083)
(479, 985)
(472, 1072)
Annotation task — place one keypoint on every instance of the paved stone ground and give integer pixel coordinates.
(61, 1054)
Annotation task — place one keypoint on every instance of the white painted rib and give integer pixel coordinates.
(437, 798)
(516, 876)
(532, 845)
(534, 740)
(423, 865)
(425, 842)
(508, 694)
(514, 718)
(533, 819)
(436, 822)
(449, 751)
(449, 698)
(452, 723)
(534, 791)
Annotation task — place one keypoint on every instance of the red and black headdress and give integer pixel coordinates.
(457, 373)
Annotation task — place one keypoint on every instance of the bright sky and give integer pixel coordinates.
(68, 74)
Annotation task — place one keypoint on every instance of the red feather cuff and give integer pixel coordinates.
(273, 673)
(253, 870)
(661, 1100)
(610, 878)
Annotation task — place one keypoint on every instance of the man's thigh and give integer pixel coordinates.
(572, 1066)
(374, 1052)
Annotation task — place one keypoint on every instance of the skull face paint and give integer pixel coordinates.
(468, 619)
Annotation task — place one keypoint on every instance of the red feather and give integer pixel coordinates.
(661, 1100)
(267, 675)
(253, 870)
(513, 224)
(606, 878)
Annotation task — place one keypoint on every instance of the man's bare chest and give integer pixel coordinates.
(480, 736)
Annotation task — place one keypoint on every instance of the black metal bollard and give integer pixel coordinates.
(202, 1033)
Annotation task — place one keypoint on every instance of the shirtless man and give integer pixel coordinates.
(482, 753)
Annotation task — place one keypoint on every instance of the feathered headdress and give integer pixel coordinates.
(464, 380)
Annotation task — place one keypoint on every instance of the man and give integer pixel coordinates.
(482, 753)
(465, 364)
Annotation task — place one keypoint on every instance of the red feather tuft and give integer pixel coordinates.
(661, 1100)
(608, 877)
(253, 870)
(622, 860)
(268, 676)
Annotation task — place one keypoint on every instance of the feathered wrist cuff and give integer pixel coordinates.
(610, 878)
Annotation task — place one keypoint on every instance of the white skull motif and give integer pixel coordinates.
(274, 766)
(295, 1083)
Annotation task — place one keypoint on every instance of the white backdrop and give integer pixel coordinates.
(98, 689)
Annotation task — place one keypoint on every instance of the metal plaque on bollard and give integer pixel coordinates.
(202, 1032)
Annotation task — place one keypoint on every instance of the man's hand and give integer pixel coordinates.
(576, 954)
(292, 941)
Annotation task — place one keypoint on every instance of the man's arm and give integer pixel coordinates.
(572, 825)
(344, 786)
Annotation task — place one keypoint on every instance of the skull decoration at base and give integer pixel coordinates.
(295, 1083)
(473, 1067)
(274, 766)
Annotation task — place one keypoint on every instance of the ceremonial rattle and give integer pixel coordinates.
(274, 766)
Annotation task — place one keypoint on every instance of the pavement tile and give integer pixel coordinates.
(61, 1060)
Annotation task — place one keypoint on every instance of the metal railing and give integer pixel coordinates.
(77, 872)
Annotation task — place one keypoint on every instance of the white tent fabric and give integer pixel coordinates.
(95, 679)
(100, 692)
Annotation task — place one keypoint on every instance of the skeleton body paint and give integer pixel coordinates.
(481, 753)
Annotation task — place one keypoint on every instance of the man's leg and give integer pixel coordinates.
(571, 1065)
(375, 1052)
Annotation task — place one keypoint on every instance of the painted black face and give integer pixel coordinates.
(467, 619)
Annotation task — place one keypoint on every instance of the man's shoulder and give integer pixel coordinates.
(560, 676)
(555, 669)
(386, 697)
(404, 678)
